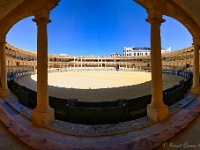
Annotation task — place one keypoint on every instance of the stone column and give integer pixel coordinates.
(186, 54)
(74, 63)
(126, 62)
(4, 91)
(81, 62)
(195, 88)
(42, 114)
(157, 111)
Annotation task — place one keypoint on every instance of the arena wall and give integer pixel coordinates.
(20, 60)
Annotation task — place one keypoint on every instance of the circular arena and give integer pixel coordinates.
(104, 109)
(96, 86)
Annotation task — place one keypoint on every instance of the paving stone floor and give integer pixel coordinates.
(189, 136)
(9, 142)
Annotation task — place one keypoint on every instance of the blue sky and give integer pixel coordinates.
(97, 27)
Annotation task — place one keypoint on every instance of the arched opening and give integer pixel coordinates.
(175, 35)
(23, 35)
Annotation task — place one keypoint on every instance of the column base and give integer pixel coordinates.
(42, 119)
(157, 114)
(4, 92)
(195, 90)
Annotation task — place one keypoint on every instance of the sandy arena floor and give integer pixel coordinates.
(99, 85)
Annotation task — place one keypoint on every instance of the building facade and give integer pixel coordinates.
(136, 51)
(141, 51)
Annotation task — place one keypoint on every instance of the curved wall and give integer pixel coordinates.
(19, 60)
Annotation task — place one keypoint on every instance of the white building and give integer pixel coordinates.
(136, 51)
(141, 51)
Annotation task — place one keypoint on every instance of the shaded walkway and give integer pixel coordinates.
(189, 138)
(9, 141)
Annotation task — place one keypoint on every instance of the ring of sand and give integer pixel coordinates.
(99, 85)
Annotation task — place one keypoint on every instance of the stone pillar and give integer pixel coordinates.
(81, 62)
(42, 114)
(4, 91)
(126, 62)
(186, 54)
(195, 88)
(74, 63)
(157, 111)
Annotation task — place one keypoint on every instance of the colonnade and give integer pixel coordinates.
(101, 62)
(156, 9)
(43, 114)
(157, 110)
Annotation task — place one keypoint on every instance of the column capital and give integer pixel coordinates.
(155, 15)
(196, 41)
(42, 16)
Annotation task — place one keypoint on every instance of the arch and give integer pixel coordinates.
(175, 33)
(169, 8)
(15, 19)
(24, 10)
(177, 13)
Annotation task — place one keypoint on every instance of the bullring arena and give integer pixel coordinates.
(99, 85)
(99, 102)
